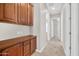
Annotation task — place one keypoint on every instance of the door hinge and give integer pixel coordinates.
(69, 18)
(70, 33)
(70, 48)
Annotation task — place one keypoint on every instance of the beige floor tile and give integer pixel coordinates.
(53, 48)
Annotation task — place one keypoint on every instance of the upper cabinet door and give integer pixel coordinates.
(10, 12)
(30, 14)
(1, 11)
(23, 13)
(19, 13)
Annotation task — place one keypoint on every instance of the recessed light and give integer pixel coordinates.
(53, 8)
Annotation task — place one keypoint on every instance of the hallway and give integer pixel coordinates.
(53, 48)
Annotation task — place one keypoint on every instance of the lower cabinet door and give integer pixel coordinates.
(33, 45)
(27, 48)
(15, 50)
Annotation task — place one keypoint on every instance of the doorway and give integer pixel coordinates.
(61, 26)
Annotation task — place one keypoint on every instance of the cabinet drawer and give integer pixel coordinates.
(27, 54)
(26, 42)
(26, 48)
(15, 50)
(33, 45)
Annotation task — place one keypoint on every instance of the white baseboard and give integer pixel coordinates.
(64, 52)
(41, 49)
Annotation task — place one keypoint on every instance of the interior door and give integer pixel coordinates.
(55, 23)
(67, 30)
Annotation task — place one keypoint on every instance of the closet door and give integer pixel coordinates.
(67, 30)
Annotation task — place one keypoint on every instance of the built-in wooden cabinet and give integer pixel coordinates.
(18, 13)
(27, 48)
(33, 45)
(23, 46)
(10, 12)
(22, 13)
(30, 14)
(1, 11)
(25, 14)
(15, 50)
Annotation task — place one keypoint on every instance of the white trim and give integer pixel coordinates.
(65, 52)
(37, 50)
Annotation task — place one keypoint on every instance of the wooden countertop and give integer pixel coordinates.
(9, 42)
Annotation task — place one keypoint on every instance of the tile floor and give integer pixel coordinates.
(53, 48)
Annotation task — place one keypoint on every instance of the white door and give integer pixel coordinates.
(55, 23)
(75, 29)
(66, 29)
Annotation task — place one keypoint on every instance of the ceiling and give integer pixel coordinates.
(54, 8)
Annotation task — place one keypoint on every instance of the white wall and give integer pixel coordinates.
(39, 28)
(48, 29)
(59, 28)
(8, 31)
(43, 34)
(52, 28)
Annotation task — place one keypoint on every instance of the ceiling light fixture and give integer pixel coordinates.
(53, 8)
